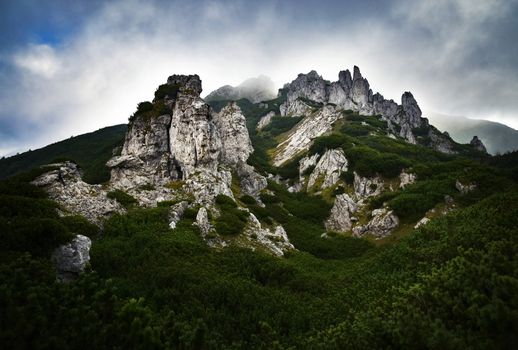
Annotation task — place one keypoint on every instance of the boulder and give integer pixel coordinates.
(340, 219)
(382, 224)
(71, 258)
(328, 169)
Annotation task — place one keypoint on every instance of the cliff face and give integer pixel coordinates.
(354, 93)
(185, 141)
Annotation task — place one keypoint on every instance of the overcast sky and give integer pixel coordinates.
(69, 67)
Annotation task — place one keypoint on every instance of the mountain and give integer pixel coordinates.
(254, 89)
(325, 217)
(91, 151)
(498, 138)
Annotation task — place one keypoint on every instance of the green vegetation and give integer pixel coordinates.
(90, 151)
(232, 220)
(452, 283)
(122, 197)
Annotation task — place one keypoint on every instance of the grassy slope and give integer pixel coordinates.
(91, 151)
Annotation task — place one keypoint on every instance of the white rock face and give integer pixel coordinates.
(275, 241)
(192, 144)
(366, 187)
(265, 120)
(71, 258)
(251, 182)
(203, 223)
(236, 146)
(297, 108)
(382, 224)
(65, 186)
(310, 86)
(205, 185)
(306, 163)
(355, 94)
(330, 167)
(176, 213)
(406, 179)
(340, 218)
(305, 132)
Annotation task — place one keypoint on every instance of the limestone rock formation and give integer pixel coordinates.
(71, 258)
(275, 240)
(328, 169)
(305, 132)
(176, 213)
(340, 219)
(366, 187)
(63, 184)
(296, 108)
(236, 146)
(404, 120)
(406, 179)
(382, 224)
(477, 144)
(265, 120)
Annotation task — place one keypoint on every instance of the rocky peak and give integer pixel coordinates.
(356, 74)
(186, 83)
(311, 86)
(411, 109)
(344, 78)
(477, 144)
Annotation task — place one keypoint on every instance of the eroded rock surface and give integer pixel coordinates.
(382, 224)
(71, 258)
(340, 219)
(63, 184)
(328, 169)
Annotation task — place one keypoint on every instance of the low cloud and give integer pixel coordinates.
(124, 50)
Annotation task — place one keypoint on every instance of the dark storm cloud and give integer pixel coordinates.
(68, 67)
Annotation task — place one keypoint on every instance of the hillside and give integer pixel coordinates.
(91, 151)
(325, 218)
(497, 137)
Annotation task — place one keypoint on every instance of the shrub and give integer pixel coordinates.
(224, 201)
(79, 225)
(164, 90)
(249, 200)
(122, 197)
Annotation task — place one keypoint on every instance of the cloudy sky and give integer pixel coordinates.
(69, 67)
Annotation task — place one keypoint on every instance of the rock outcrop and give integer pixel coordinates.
(302, 136)
(276, 240)
(63, 184)
(382, 224)
(341, 219)
(367, 186)
(404, 120)
(189, 142)
(406, 179)
(477, 144)
(71, 258)
(265, 120)
(328, 169)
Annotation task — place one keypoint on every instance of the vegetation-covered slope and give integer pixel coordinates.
(91, 151)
